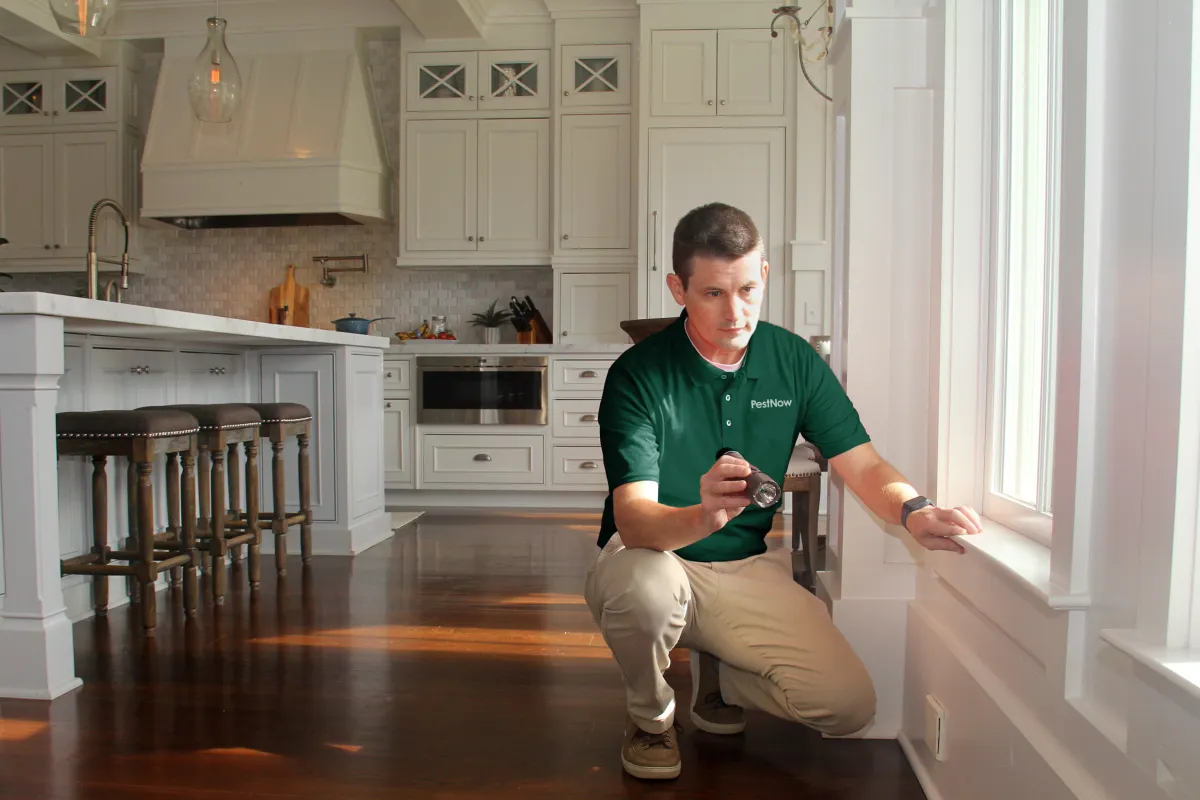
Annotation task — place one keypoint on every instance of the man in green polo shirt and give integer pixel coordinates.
(683, 559)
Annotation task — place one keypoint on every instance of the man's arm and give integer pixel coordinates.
(644, 522)
(884, 490)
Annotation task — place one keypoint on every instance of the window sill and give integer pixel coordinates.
(1023, 562)
(1180, 666)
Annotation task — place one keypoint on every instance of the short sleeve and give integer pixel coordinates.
(830, 420)
(628, 437)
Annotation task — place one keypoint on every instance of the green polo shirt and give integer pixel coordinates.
(666, 411)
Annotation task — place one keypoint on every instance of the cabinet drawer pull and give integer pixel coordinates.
(482, 457)
(588, 373)
(387, 375)
(588, 465)
(387, 405)
(589, 418)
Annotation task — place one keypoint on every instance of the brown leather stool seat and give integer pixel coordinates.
(280, 421)
(223, 426)
(140, 437)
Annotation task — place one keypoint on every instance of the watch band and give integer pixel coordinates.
(910, 506)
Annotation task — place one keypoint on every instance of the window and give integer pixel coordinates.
(1023, 331)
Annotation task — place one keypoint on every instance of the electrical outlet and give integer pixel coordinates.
(935, 727)
(812, 314)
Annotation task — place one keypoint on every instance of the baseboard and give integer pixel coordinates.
(56, 692)
(330, 540)
(918, 767)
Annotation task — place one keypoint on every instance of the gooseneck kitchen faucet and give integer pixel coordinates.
(93, 260)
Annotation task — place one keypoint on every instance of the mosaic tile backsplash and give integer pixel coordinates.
(231, 272)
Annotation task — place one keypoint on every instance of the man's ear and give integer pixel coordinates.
(675, 284)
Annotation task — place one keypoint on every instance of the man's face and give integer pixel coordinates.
(723, 298)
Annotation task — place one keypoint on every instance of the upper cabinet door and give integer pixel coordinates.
(592, 307)
(683, 78)
(27, 196)
(442, 81)
(86, 168)
(86, 97)
(514, 185)
(25, 99)
(512, 80)
(440, 184)
(594, 180)
(595, 75)
(750, 73)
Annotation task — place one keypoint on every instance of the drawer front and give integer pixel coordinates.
(397, 375)
(577, 419)
(579, 466)
(574, 376)
(450, 458)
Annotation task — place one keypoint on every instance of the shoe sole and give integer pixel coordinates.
(719, 728)
(651, 773)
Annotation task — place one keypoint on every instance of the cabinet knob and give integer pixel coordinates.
(387, 405)
(482, 457)
(588, 465)
(481, 238)
(589, 418)
(710, 102)
(387, 375)
(722, 102)
(57, 246)
(588, 373)
(564, 333)
(566, 92)
(565, 237)
(471, 97)
(46, 246)
(45, 113)
(470, 238)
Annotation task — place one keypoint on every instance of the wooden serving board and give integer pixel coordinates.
(289, 302)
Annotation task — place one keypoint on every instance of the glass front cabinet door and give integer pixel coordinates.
(595, 75)
(491, 80)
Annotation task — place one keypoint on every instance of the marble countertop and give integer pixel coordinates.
(99, 317)
(425, 348)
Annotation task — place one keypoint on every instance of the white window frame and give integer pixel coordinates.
(1034, 521)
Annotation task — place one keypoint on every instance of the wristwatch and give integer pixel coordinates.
(911, 506)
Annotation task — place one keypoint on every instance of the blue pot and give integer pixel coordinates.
(355, 324)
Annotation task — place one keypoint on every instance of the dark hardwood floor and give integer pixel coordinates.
(457, 660)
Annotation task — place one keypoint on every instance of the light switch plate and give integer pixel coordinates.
(935, 727)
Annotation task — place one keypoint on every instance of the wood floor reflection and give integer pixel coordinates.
(457, 660)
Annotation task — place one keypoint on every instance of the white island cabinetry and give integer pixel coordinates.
(72, 354)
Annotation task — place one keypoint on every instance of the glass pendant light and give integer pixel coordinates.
(216, 85)
(83, 17)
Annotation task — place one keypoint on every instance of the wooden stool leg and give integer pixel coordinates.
(173, 511)
(204, 523)
(234, 468)
(219, 546)
(279, 508)
(132, 589)
(100, 530)
(147, 574)
(191, 589)
(252, 512)
(305, 504)
(810, 522)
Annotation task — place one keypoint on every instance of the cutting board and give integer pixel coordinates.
(288, 302)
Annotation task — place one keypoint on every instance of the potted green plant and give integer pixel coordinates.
(491, 320)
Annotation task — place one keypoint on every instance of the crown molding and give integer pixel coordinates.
(591, 9)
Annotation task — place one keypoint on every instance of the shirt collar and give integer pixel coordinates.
(703, 373)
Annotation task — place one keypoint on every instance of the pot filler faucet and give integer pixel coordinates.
(92, 259)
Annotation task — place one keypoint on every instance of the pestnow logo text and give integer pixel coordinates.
(772, 403)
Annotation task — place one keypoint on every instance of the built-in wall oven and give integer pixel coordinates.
(482, 390)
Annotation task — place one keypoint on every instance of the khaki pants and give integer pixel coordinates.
(778, 648)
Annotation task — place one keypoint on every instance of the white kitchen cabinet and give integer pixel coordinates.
(579, 375)
(591, 306)
(579, 467)
(594, 182)
(478, 186)
(204, 378)
(488, 80)
(397, 376)
(576, 419)
(716, 73)
(482, 459)
(125, 378)
(48, 184)
(398, 442)
(88, 96)
(689, 167)
(595, 75)
(308, 380)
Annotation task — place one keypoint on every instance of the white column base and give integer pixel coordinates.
(39, 657)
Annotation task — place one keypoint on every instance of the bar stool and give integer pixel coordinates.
(803, 480)
(279, 421)
(140, 436)
(223, 426)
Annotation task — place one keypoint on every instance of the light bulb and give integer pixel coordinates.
(215, 88)
(83, 17)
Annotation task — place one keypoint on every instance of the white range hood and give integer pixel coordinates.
(304, 147)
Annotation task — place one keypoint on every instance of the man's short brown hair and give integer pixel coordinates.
(715, 230)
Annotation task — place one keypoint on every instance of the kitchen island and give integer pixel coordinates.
(61, 353)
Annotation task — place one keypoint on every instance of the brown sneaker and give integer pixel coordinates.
(710, 712)
(651, 755)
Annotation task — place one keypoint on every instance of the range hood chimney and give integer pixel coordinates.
(304, 147)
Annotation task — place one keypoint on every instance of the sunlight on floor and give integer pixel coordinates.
(18, 730)
(237, 751)
(545, 599)
(474, 641)
(348, 748)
